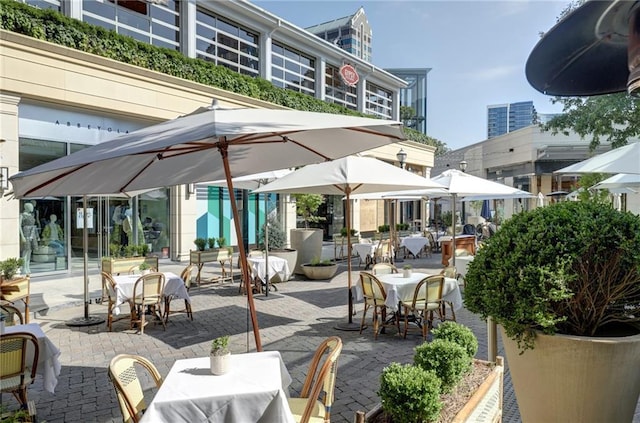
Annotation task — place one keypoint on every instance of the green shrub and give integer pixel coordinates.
(448, 360)
(460, 334)
(222, 241)
(211, 243)
(409, 394)
(10, 266)
(570, 268)
(277, 235)
(201, 243)
(383, 228)
(143, 250)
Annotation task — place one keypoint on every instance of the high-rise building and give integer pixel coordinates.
(504, 118)
(413, 96)
(351, 33)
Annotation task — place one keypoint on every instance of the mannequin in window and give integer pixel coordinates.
(28, 236)
(53, 235)
(127, 227)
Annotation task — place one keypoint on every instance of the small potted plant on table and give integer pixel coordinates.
(220, 355)
(406, 271)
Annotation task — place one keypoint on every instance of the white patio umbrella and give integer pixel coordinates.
(343, 177)
(470, 188)
(251, 182)
(619, 160)
(619, 181)
(208, 144)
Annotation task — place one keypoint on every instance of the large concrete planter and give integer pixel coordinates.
(576, 379)
(308, 243)
(290, 255)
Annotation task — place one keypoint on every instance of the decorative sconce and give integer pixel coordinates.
(191, 189)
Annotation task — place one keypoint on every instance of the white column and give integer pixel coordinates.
(9, 209)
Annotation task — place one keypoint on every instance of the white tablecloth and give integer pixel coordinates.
(365, 250)
(277, 266)
(399, 288)
(415, 244)
(462, 264)
(254, 390)
(173, 285)
(48, 353)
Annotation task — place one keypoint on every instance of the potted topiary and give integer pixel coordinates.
(201, 243)
(563, 283)
(144, 268)
(12, 287)
(319, 270)
(406, 271)
(9, 267)
(220, 355)
(211, 243)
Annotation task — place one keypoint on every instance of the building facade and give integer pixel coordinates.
(56, 100)
(351, 33)
(505, 118)
(414, 95)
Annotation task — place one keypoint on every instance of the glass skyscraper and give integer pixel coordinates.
(504, 118)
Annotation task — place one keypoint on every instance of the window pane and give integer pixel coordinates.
(36, 152)
(106, 10)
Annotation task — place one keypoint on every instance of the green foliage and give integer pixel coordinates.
(571, 268)
(588, 180)
(9, 267)
(410, 394)
(383, 228)
(144, 266)
(460, 334)
(220, 345)
(445, 218)
(343, 232)
(307, 206)
(131, 250)
(277, 235)
(14, 416)
(211, 243)
(611, 118)
(448, 360)
(407, 267)
(143, 250)
(115, 250)
(222, 241)
(201, 243)
(402, 226)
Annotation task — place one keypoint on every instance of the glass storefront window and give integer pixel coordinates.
(43, 234)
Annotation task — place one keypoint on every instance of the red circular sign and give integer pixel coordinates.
(349, 75)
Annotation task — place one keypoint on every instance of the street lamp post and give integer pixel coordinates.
(463, 167)
(402, 159)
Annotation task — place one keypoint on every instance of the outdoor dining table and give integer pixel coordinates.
(173, 285)
(399, 288)
(277, 266)
(462, 264)
(414, 244)
(366, 251)
(48, 353)
(254, 390)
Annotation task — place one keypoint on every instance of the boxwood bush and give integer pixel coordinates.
(448, 360)
(410, 394)
(570, 268)
(460, 334)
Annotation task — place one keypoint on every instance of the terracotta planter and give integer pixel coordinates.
(319, 271)
(578, 379)
(484, 405)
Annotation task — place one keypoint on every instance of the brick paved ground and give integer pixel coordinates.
(294, 322)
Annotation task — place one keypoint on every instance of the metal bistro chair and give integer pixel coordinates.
(320, 382)
(147, 294)
(375, 297)
(186, 277)
(123, 375)
(449, 272)
(383, 269)
(427, 299)
(11, 315)
(17, 367)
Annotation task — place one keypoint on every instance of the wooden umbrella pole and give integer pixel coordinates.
(243, 256)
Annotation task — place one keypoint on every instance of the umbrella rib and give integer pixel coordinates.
(122, 189)
(44, 184)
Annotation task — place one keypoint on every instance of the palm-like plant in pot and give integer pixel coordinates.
(563, 283)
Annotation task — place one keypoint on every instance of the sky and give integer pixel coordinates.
(476, 49)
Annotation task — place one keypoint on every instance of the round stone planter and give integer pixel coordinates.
(319, 271)
(220, 363)
(577, 378)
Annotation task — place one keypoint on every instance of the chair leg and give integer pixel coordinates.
(364, 313)
(187, 306)
(406, 321)
(141, 316)
(453, 313)
(375, 322)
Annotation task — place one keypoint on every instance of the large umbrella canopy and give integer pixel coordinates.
(619, 160)
(585, 53)
(621, 180)
(486, 210)
(208, 144)
(343, 177)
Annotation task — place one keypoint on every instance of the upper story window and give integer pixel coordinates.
(336, 91)
(152, 23)
(379, 101)
(292, 70)
(226, 43)
(44, 4)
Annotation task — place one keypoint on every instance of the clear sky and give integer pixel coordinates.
(476, 50)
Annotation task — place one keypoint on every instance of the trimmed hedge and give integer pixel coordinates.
(460, 334)
(448, 360)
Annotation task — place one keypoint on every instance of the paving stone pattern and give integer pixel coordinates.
(293, 321)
